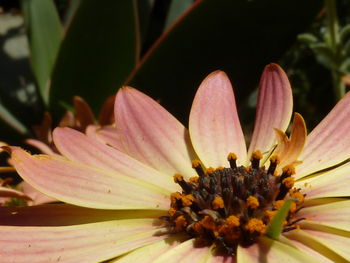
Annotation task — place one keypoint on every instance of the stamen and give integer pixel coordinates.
(232, 158)
(232, 206)
(255, 225)
(274, 161)
(197, 165)
(255, 159)
(252, 202)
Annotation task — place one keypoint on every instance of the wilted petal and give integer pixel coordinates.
(289, 149)
(274, 108)
(65, 215)
(83, 113)
(268, 250)
(93, 242)
(151, 134)
(329, 143)
(184, 253)
(334, 183)
(149, 253)
(214, 126)
(85, 185)
(334, 246)
(37, 198)
(80, 148)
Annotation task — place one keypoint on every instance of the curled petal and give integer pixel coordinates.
(329, 143)
(289, 149)
(8, 192)
(151, 134)
(274, 108)
(214, 126)
(93, 242)
(85, 185)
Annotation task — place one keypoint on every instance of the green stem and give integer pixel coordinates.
(333, 29)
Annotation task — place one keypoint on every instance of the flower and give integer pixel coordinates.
(123, 204)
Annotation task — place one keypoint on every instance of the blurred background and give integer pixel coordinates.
(51, 51)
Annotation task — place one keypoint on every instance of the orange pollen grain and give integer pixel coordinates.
(232, 221)
(278, 204)
(252, 202)
(270, 214)
(220, 168)
(231, 156)
(180, 223)
(208, 223)
(172, 211)
(256, 155)
(289, 169)
(255, 225)
(196, 163)
(293, 207)
(210, 170)
(194, 179)
(187, 200)
(178, 178)
(218, 203)
(297, 195)
(275, 159)
(174, 197)
(288, 182)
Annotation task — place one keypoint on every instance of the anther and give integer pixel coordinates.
(255, 225)
(196, 164)
(179, 179)
(274, 161)
(252, 202)
(218, 203)
(232, 158)
(255, 159)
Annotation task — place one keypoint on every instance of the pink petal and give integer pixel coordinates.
(107, 135)
(333, 183)
(65, 215)
(37, 198)
(44, 148)
(149, 253)
(85, 185)
(93, 242)
(334, 214)
(80, 148)
(274, 108)
(329, 143)
(184, 253)
(268, 250)
(332, 245)
(151, 134)
(214, 125)
(310, 251)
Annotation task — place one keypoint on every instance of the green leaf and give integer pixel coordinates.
(177, 8)
(239, 37)
(44, 33)
(307, 38)
(7, 117)
(100, 49)
(275, 227)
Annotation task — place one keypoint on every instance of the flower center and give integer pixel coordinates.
(233, 206)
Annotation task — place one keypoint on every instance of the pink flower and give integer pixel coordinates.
(123, 204)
